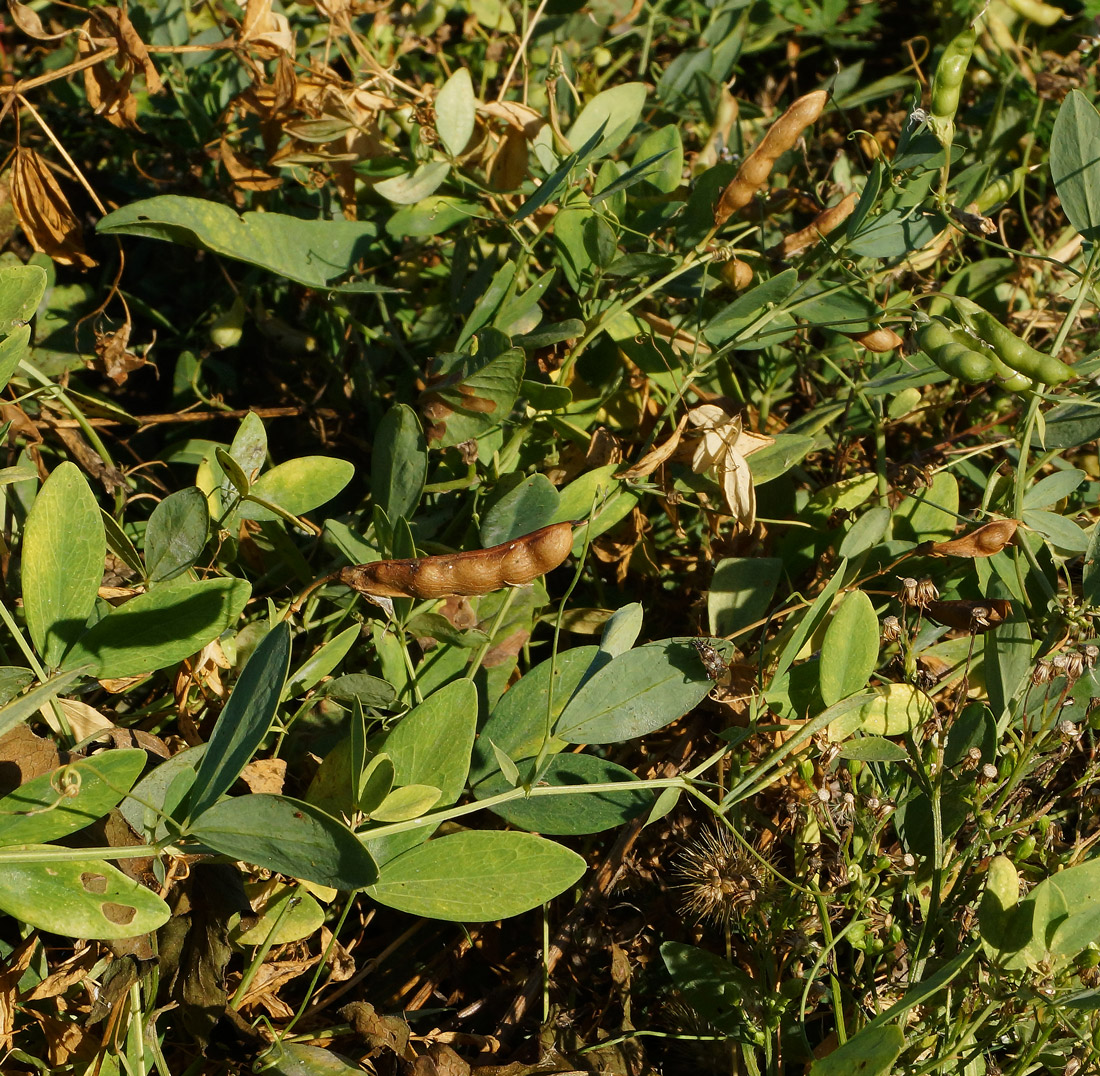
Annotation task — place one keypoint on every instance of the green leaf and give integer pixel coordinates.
(621, 631)
(430, 217)
(24, 706)
(176, 534)
(288, 836)
(245, 721)
(894, 233)
(456, 111)
(405, 802)
(493, 382)
(63, 551)
(872, 749)
(1075, 162)
(713, 987)
(665, 143)
(21, 291)
(1053, 488)
(530, 505)
(849, 651)
(414, 186)
(1090, 581)
(931, 515)
(740, 592)
(636, 693)
(431, 744)
(287, 913)
(159, 628)
(866, 532)
(285, 1058)
(371, 691)
(895, 710)
(69, 798)
(746, 308)
(574, 814)
(613, 499)
(320, 663)
(615, 111)
(1008, 653)
(298, 486)
(871, 1052)
(312, 252)
(85, 898)
(477, 876)
(518, 722)
(1061, 532)
(13, 348)
(399, 463)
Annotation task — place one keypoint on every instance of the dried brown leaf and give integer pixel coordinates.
(244, 175)
(655, 457)
(27, 20)
(113, 356)
(48, 220)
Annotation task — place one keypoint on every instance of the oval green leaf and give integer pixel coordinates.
(63, 550)
(159, 628)
(176, 534)
(288, 836)
(456, 111)
(69, 798)
(298, 486)
(636, 693)
(849, 651)
(475, 877)
(399, 463)
(85, 898)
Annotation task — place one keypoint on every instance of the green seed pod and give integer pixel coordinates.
(955, 358)
(1017, 354)
(1025, 849)
(1002, 894)
(947, 84)
(1004, 376)
(1000, 190)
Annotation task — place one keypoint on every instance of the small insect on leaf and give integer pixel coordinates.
(988, 539)
(479, 571)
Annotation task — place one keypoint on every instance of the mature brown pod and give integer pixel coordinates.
(479, 571)
(820, 226)
(986, 540)
(976, 617)
(757, 166)
(878, 340)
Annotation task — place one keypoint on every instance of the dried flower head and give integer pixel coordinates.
(891, 629)
(1070, 664)
(918, 592)
(718, 878)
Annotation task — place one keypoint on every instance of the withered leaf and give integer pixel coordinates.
(113, 355)
(986, 540)
(655, 457)
(44, 212)
(26, 18)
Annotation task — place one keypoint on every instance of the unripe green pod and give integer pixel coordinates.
(1000, 190)
(1004, 376)
(999, 901)
(1037, 11)
(1017, 354)
(968, 365)
(947, 84)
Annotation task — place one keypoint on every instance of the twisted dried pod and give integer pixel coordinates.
(757, 166)
(820, 226)
(479, 571)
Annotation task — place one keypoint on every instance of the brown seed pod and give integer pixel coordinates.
(479, 571)
(973, 616)
(736, 273)
(757, 166)
(878, 340)
(821, 225)
(988, 539)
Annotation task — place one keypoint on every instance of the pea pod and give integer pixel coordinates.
(1007, 378)
(1037, 11)
(947, 85)
(954, 357)
(1000, 190)
(1016, 353)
